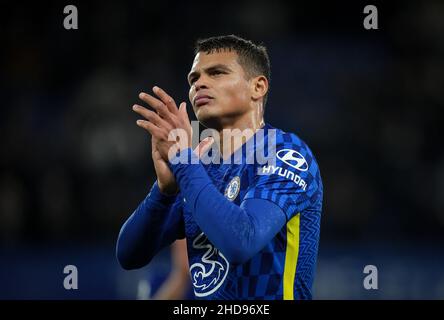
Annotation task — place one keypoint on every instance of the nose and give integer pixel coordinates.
(201, 83)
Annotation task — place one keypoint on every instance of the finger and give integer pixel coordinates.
(183, 112)
(157, 105)
(153, 142)
(151, 128)
(203, 146)
(166, 98)
(152, 116)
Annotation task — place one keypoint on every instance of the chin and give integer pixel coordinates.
(208, 119)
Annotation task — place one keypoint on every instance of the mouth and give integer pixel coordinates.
(202, 100)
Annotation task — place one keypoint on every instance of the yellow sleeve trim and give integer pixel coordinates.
(291, 256)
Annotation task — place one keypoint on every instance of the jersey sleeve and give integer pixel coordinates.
(291, 179)
(156, 223)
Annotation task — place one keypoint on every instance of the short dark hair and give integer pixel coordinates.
(252, 57)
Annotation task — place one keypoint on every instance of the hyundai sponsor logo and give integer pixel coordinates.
(293, 159)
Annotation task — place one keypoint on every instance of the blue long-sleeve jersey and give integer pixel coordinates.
(252, 226)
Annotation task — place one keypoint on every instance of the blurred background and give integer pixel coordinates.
(74, 165)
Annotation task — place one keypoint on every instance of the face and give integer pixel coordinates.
(219, 88)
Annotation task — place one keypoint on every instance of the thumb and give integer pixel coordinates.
(203, 146)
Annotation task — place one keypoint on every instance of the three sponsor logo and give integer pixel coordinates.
(209, 273)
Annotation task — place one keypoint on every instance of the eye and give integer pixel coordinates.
(216, 72)
(193, 80)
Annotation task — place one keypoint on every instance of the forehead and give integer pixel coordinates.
(204, 60)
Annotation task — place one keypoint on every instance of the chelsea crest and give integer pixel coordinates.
(232, 189)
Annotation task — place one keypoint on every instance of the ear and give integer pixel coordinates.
(259, 87)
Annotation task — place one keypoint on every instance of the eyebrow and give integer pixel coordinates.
(218, 66)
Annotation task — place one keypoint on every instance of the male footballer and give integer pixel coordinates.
(251, 222)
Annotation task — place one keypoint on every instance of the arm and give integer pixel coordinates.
(155, 224)
(240, 231)
(176, 285)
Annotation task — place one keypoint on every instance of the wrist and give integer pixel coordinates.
(168, 191)
(159, 193)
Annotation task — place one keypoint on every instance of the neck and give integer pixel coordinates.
(248, 125)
